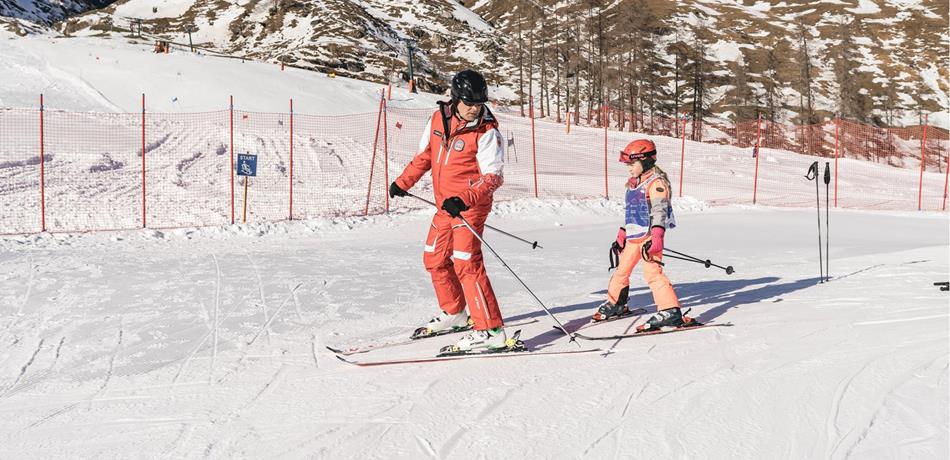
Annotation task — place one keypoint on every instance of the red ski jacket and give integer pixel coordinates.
(466, 158)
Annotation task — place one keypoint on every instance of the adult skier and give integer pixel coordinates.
(463, 149)
(648, 216)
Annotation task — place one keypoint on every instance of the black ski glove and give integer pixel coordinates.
(454, 206)
(395, 191)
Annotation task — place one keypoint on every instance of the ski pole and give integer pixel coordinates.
(812, 175)
(729, 270)
(827, 224)
(559, 325)
(534, 244)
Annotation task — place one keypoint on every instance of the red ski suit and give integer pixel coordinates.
(466, 160)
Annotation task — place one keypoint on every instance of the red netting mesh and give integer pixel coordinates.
(332, 158)
(187, 163)
(20, 171)
(342, 165)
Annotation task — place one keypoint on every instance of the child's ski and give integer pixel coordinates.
(634, 312)
(653, 332)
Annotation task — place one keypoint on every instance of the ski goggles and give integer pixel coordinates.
(629, 158)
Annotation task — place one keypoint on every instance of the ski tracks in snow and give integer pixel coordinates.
(91, 398)
(29, 288)
(26, 296)
(236, 413)
(23, 369)
(857, 432)
(453, 440)
(217, 307)
(260, 290)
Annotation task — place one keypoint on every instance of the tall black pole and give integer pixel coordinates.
(813, 175)
(556, 321)
(534, 244)
(827, 223)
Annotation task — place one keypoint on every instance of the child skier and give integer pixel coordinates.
(648, 216)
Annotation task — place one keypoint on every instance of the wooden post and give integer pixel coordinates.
(605, 116)
(42, 170)
(946, 180)
(231, 113)
(143, 160)
(923, 160)
(291, 216)
(244, 217)
(758, 153)
(379, 116)
(682, 154)
(837, 123)
(534, 157)
(386, 155)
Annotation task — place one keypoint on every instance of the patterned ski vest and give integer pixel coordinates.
(644, 212)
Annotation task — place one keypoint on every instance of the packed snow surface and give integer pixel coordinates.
(210, 342)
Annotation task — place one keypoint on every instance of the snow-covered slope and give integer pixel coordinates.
(93, 171)
(96, 74)
(210, 343)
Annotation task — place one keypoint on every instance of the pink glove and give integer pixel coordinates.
(656, 238)
(621, 238)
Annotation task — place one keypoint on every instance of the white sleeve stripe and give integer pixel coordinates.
(424, 142)
(491, 153)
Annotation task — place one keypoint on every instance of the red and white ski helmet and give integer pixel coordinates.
(640, 149)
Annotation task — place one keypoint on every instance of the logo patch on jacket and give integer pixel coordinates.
(437, 133)
(459, 145)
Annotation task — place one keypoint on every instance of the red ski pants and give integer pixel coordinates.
(453, 257)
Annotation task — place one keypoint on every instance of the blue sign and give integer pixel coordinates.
(247, 165)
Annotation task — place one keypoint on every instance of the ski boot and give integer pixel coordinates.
(668, 319)
(608, 310)
(484, 341)
(444, 323)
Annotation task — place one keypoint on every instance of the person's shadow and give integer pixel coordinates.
(722, 294)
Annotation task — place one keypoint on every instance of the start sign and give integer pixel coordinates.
(247, 165)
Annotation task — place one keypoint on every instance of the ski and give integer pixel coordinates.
(510, 354)
(656, 332)
(356, 349)
(634, 312)
(512, 345)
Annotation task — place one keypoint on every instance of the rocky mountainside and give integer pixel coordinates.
(875, 61)
(23, 16)
(362, 39)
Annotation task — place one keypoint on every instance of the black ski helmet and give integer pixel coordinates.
(469, 86)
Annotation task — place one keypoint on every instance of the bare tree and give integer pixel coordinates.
(851, 101)
(805, 81)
